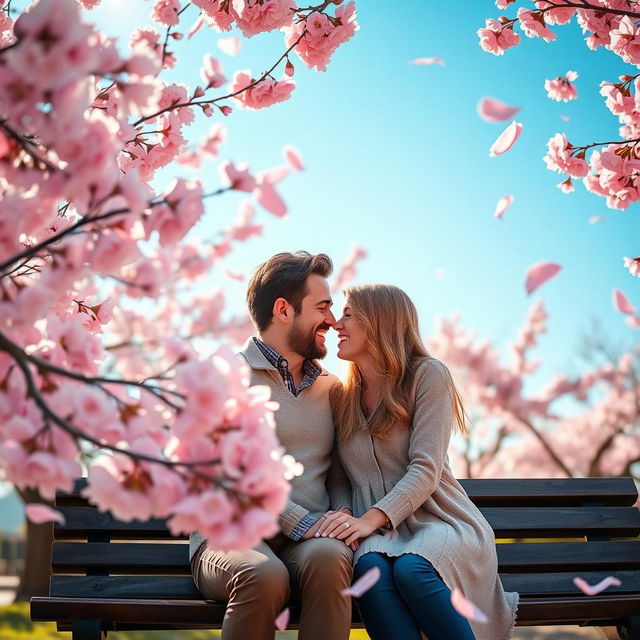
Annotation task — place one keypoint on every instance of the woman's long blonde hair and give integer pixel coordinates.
(390, 323)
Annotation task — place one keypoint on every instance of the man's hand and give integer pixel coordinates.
(311, 531)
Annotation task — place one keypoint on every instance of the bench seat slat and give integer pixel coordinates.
(143, 558)
(508, 522)
(183, 587)
(620, 492)
(188, 614)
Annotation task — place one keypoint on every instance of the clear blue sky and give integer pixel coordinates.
(398, 162)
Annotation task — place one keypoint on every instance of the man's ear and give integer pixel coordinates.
(282, 310)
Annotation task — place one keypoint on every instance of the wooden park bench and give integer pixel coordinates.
(109, 575)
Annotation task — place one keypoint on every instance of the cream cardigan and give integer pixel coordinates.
(408, 477)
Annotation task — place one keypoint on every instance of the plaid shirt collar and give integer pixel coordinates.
(310, 369)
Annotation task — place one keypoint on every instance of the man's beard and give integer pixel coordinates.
(303, 342)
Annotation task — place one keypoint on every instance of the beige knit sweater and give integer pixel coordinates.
(304, 425)
(408, 477)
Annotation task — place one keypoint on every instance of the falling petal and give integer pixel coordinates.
(503, 204)
(539, 273)
(292, 157)
(506, 139)
(565, 118)
(230, 46)
(633, 321)
(282, 621)
(270, 199)
(234, 275)
(621, 303)
(594, 219)
(275, 175)
(466, 608)
(593, 590)
(197, 25)
(427, 61)
(493, 110)
(40, 513)
(361, 586)
(566, 186)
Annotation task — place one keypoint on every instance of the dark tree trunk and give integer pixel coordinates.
(34, 580)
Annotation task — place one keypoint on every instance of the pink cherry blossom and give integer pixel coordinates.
(555, 16)
(625, 41)
(493, 110)
(539, 273)
(503, 205)
(534, 26)
(562, 87)
(496, 38)
(506, 139)
(254, 17)
(560, 157)
(166, 12)
(566, 186)
(260, 95)
(219, 14)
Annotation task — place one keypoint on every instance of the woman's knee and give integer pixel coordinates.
(370, 561)
(410, 571)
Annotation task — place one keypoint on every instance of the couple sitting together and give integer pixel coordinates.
(376, 491)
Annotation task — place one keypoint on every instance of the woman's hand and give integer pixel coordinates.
(349, 529)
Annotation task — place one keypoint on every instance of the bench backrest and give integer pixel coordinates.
(95, 555)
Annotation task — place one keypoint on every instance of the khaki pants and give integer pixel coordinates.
(258, 583)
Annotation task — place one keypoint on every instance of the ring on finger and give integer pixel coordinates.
(346, 525)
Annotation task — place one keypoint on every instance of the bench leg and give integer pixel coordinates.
(630, 628)
(87, 630)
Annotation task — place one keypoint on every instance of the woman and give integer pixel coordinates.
(411, 517)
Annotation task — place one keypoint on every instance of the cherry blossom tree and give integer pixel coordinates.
(573, 426)
(100, 265)
(611, 168)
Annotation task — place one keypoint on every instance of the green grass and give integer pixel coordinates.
(15, 624)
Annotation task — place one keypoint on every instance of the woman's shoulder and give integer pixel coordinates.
(430, 371)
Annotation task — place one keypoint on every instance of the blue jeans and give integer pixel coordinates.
(409, 597)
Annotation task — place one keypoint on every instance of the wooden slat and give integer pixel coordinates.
(189, 614)
(558, 556)
(183, 587)
(563, 521)
(528, 492)
(153, 558)
(76, 557)
(529, 522)
(561, 584)
(169, 588)
(493, 492)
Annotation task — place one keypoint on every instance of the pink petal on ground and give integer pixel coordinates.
(503, 204)
(40, 513)
(466, 608)
(230, 46)
(493, 110)
(565, 118)
(361, 586)
(506, 139)
(426, 61)
(292, 157)
(593, 590)
(594, 219)
(539, 273)
(621, 303)
(282, 621)
(197, 25)
(633, 321)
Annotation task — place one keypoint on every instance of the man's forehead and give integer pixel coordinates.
(318, 289)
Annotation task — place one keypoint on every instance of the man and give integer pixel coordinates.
(290, 303)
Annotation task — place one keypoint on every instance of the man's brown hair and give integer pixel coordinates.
(283, 276)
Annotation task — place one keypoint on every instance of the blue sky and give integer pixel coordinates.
(398, 162)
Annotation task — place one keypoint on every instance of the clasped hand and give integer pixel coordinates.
(345, 527)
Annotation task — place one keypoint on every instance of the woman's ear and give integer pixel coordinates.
(282, 310)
